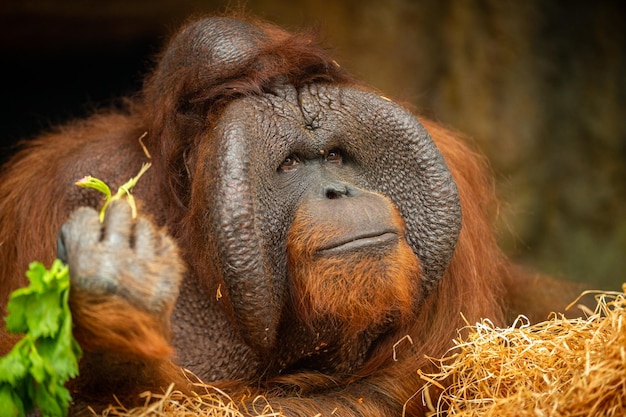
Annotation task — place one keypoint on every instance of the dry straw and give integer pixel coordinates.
(560, 367)
(207, 401)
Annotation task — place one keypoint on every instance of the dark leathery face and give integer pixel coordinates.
(389, 152)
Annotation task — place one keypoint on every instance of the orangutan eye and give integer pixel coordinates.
(334, 156)
(289, 164)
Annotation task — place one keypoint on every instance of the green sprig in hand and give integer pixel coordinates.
(33, 374)
(123, 191)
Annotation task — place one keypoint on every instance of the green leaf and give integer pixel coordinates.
(18, 307)
(35, 370)
(13, 367)
(44, 313)
(61, 355)
(36, 275)
(10, 404)
(37, 366)
(96, 184)
(16, 320)
(36, 308)
(49, 404)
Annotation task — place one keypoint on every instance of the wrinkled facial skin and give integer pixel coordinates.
(383, 149)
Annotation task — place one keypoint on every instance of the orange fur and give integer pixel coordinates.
(109, 323)
(360, 290)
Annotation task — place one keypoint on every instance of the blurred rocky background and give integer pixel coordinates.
(538, 85)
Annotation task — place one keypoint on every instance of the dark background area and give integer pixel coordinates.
(539, 86)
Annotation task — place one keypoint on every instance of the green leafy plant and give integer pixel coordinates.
(36, 369)
(34, 373)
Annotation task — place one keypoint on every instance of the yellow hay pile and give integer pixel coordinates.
(560, 367)
(208, 402)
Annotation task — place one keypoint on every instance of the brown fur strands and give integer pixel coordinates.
(102, 324)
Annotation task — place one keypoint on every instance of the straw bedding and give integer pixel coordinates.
(560, 367)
